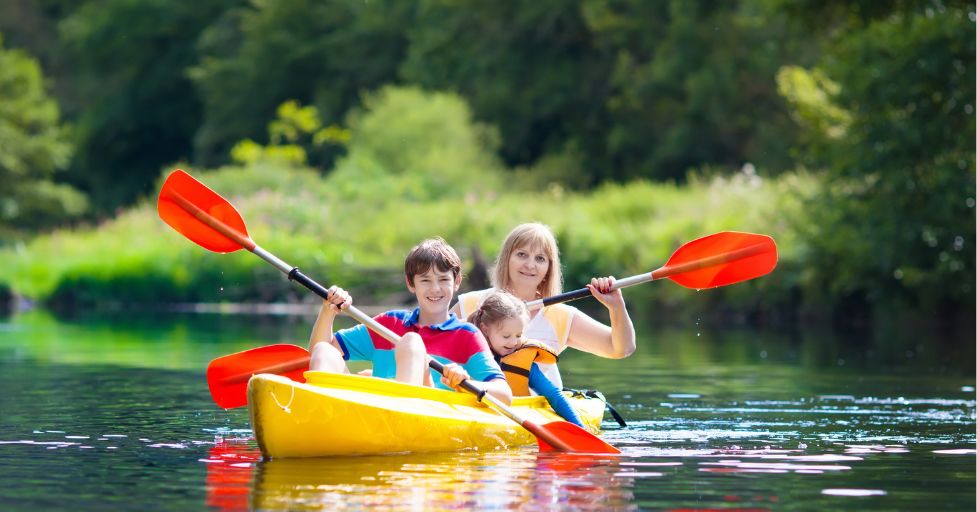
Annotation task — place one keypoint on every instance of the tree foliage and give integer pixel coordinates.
(891, 116)
(133, 104)
(33, 147)
(870, 100)
(258, 56)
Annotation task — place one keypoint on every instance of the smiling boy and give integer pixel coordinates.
(432, 271)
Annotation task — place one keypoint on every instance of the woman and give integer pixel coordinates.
(528, 266)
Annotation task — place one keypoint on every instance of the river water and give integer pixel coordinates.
(114, 413)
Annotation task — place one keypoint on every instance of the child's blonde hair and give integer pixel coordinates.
(497, 307)
(535, 236)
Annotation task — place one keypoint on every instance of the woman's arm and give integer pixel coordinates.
(589, 335)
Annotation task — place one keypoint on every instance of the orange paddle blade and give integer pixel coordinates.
(228, 375)
(201, 215)
(720, 259)
(574, 439)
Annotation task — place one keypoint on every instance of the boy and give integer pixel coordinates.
(432, 271)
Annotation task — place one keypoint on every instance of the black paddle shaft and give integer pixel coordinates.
(567, 297)
(308, 282)
(466, 384)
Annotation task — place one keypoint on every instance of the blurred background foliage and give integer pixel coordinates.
(345, 131)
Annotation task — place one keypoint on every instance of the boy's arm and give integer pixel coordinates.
(558, 401)
(337, 301)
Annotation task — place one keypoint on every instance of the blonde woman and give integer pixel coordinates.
(528, 266)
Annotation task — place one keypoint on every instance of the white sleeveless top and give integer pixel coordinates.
(550, 326)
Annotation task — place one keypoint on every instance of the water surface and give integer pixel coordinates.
(114, 413)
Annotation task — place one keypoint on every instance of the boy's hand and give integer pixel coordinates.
(337, 300)
(600, 288)
(453, 375)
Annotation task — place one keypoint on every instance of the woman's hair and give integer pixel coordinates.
(497, 307)
(433, 252)
(534, 236)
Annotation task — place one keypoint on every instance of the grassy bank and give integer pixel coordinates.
(360, 243)
(416, 164)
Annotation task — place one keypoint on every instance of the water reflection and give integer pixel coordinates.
(514, 479)
(525, 480)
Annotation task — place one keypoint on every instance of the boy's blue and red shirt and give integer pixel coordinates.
(452, 341)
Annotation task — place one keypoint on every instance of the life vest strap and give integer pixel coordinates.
(506, 367)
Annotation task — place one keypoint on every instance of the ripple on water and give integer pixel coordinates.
(853, 492)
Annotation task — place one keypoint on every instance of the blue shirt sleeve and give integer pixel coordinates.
(543, 387)
(356, 343)
(482, 367)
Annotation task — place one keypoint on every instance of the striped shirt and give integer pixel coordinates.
(452, 341)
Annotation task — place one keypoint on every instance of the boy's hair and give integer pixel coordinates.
(497, 307)
(433, 252)
(534, 236)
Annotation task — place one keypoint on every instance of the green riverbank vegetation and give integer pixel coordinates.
(406, 177)
(345, 132)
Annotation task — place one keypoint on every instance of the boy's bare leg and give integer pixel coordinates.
(327, 358)
(411, 357)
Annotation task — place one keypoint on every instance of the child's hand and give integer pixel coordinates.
(453, 375)
(600, 287)
(338, 299)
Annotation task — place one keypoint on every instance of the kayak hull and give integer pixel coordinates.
(337, 415)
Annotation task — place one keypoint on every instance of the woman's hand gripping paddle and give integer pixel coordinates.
(719, 259)
(212, 222)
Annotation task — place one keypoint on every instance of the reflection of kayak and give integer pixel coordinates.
(335, 414)
(470, 480)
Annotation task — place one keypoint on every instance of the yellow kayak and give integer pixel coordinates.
(332, 415)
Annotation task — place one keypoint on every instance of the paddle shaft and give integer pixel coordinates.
(662, 273)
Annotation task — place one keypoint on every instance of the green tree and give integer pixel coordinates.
(319, 53)
(635, 88)
(529, 68)
(134, 106)
(292, 134)
(698, 89)
(416, 145)
(33, 147)
(890, 113)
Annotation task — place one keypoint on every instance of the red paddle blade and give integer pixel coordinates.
(720, 259)
(184, 202)
(575, 439)
(228, 375)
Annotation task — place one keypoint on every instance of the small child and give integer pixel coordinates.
(501, 318)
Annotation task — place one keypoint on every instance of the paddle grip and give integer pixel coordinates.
(585, 292)
(465, 384)
(308, 282)
(567, 297)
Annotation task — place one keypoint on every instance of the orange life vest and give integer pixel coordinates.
(516, 366)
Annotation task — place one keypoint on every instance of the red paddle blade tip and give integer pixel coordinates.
(575, 439)
(228, 376)
(721, 259)
(182, 201)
